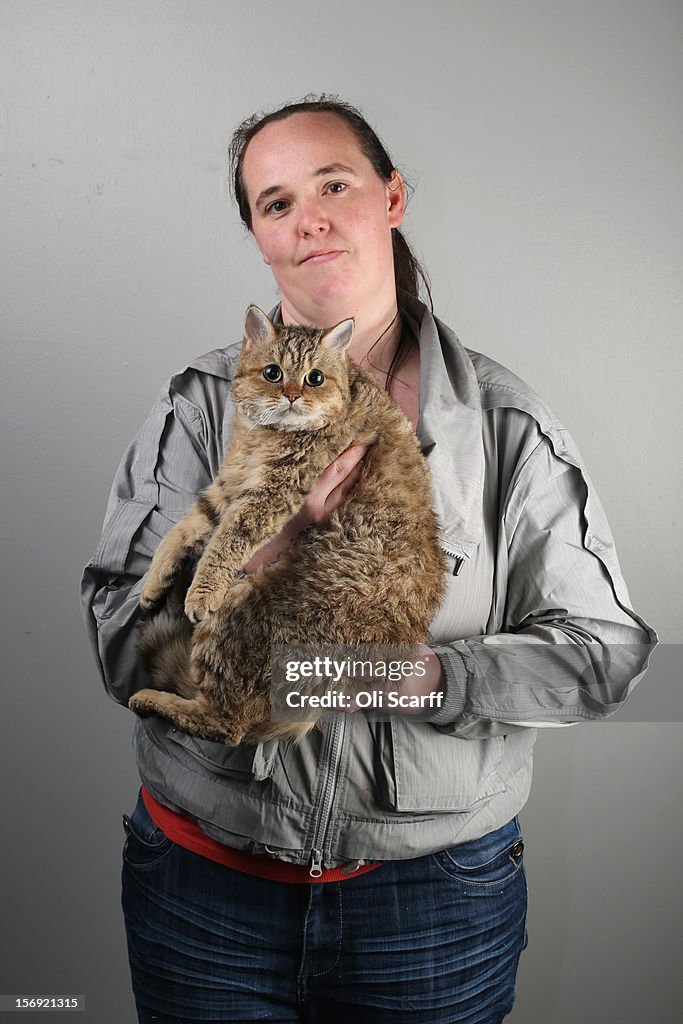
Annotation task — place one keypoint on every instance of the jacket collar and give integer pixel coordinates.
(449, 428)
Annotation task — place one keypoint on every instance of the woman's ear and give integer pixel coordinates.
(396, 199)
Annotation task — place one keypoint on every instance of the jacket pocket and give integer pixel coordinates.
(244, 761)
(127, 545)
(433, 771)
(121, 526)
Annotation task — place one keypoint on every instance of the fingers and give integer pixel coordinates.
(337, 472)
(339, 494)
(334, 485)
(343, 474)
(344, 464)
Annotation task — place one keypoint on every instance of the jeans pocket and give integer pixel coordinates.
(146, 845)
(485, 865)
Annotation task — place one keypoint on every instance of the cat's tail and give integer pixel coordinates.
(164, 644)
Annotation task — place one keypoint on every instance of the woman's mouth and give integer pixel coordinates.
(324, 257)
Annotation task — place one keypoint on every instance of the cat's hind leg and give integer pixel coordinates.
(195, 716)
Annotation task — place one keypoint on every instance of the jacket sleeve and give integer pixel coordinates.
(571, 648)
(159, 476)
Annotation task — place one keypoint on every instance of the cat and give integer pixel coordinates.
(375, 574)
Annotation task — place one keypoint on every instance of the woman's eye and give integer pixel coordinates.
(276, 207)
(272, 373)
(314, 378)
(280, 205)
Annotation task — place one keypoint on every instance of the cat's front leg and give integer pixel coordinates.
(206, 594)
(250, 523)
(163, 568)
(187, 538)
(240, 534)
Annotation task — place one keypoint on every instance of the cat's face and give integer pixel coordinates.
(292, 377)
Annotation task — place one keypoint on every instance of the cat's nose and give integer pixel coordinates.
(292, 396)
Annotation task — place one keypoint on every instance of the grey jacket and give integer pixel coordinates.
(536, 629)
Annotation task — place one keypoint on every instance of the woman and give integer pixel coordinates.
(374, 872)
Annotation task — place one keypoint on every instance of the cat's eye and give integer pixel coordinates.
(314, 378)
(272, 373)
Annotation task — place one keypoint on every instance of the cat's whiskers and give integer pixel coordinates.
(264, 416)
(252, 414)
(258, 416)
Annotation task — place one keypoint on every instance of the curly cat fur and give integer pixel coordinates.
(374, 574)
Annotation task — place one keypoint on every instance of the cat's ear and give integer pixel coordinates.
(339, 337)
(258, 329)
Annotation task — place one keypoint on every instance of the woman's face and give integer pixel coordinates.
(322, 217)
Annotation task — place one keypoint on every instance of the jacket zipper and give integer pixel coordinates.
(331, 778)
(459, 560)
(333, 764)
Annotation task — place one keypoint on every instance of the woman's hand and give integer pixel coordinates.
(328, 493)
(419, 694)
(432, 682)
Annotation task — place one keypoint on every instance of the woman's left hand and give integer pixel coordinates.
(328, 493)
(433, 681)
(429, 687)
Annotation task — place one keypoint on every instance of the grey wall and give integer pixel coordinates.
(544, 141)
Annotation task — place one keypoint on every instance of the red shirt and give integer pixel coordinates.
(185, 831)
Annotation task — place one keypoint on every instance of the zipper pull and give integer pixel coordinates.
(459, 562)
(316, 869)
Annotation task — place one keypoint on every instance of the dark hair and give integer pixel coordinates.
(408, 272)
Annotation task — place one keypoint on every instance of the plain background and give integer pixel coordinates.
(544, 143)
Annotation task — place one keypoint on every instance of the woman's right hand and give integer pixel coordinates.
(328, 493)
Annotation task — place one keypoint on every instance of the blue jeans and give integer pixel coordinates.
(432, 940)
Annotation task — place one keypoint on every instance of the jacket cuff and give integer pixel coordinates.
(455, 687)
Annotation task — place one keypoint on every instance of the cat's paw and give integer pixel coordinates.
(202, 601)
(151, 594)
(145, 702)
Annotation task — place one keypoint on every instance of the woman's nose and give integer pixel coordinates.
(312, 218)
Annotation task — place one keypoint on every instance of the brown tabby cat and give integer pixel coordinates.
(374, 574)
